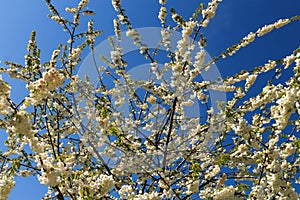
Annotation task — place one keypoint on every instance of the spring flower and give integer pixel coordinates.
(268, 28)
(250, 81)
(134, 34)
(116, 4)
(227, 193)
(151, 99)
(82, 4)
(6, 185)
(209, 12)
(162, 14)
(199, 60)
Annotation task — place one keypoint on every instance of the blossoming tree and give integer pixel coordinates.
(76, 137)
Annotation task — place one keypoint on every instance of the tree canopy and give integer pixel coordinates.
(180, 132)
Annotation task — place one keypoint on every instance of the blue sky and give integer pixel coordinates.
(234, 19)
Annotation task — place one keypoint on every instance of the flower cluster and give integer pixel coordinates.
(71, 10)
(82, 4)
(209, 12)
(21, 124)
(126, 192)
(117, 29)
(162, 14)
(199, 60)
(116, 57)
(251, 36)
(40, 89)
(58, 19)
(226, 193)
(6, 185)
(184, 45)
(244, 42)
(4, 96)
(212, 172)
(268, 28)
(289, 60)
(116, 4)
(75, 53)
(82, 144)
(165, 36)
(282, 112)
(250, 81)
(193, 187)
(134, 34)
(148, 196)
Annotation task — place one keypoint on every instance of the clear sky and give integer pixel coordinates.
(234, 19)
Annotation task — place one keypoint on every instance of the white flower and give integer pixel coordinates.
(116, 4)
(162, 14)
(209, 12)
(75, 53)
(49, 177)
(116, 56)
(248, 39)
(288, 150)
(284, 108)
(211, 172)
(188, 103)
(6, 185)
(289, 60)
(82, 4)
(193, 186)
(162, 2)
(227, 193)
(268, 28)
(200, 56)
(270, 65)
(4, 95)
(39, 90)
(71, 10)
(165, 34)
(188, 28)
(126, 192)
(134, 34)
(151, 99)
(250, 81)
(106, 182)
(58, 19)
(117, 29)
(120, 101)
(281, 22)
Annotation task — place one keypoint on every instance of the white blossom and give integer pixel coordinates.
(268, 28)
(6, 185)
(209, 12)
(116, 4)
(162, 14)
(227, 193)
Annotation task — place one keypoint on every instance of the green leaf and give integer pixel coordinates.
(223, 159)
